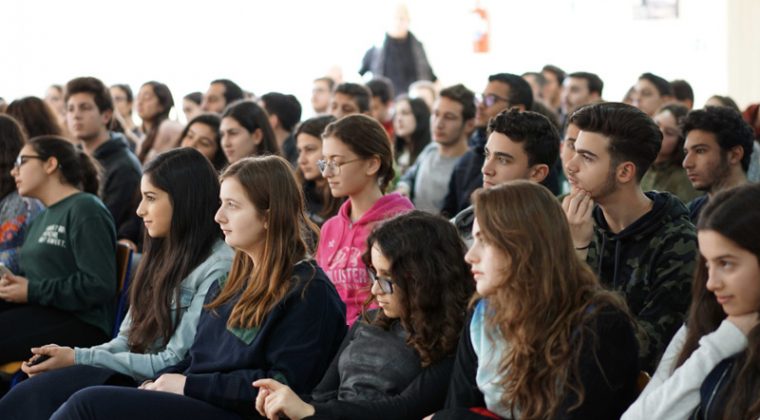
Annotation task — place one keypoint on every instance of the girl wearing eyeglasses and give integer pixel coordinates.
(66, 284)
(545, 340)
(395, 362)
(358, 164)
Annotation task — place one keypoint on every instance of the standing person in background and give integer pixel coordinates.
(401, 57)
(154, 102)
(35, 116)
(16, 212)
(358, 164)
(321, 93)
(320, 203)
(246, 131)
(64, 291)
(284, 113)
(667, 172)
(89, 112)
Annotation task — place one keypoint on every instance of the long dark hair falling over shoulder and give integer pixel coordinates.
(193, 188)
(165, 99)
(421, 135)
(733, 214)
(315, 127)
(12, 139)
(433, 320)
(270, 185)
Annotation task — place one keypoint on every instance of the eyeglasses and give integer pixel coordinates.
(22, 159)
(386, 284)
(333, 166)
(489, 99)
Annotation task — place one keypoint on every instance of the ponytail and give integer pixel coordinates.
(76, 167)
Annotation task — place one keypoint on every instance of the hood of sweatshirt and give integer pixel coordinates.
(116, 142)
(667, 210)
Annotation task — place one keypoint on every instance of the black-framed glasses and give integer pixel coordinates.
(386, 284)
(333, 166)
(22, 159)
(488, 99)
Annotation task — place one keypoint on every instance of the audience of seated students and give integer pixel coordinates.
(123, 102)
(503, 91)
(64, 290)
(577, 359)
(639, 244)
(191, 105)
(275, 316)
(521, 145)
(709, 370)
(321, 92)
(381, 104)
(35, 117)
(752, 117)
(202, 134)
(358, 164)
(245, 131)
(16, 212)
(718, 148)
(667, 172)
(89, 110)
(284, 114)
(414, 330)
(551, 92)
(350, 98)
(683, 93)
(425, 90)
(411, 131)
(579, 89)
(427, 181)
(154, 102)
(183, 255)
(320, 203)
(220, 94)
(651, 92)
(718, 100)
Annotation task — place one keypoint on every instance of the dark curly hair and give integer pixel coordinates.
(434, 281)
(729, 128)
(540, 137)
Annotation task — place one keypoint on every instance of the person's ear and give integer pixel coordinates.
(735, 155)
(258, 136)
(373, 166)
(106, 116)
(626, 172)
(538, 172)
(50, 165)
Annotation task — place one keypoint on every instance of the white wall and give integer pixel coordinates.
(283, 45)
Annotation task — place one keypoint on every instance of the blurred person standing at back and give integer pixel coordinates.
(400, 57)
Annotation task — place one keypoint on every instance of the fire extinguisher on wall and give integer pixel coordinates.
(481, 29)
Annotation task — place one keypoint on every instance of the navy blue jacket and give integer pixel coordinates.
(294, 345)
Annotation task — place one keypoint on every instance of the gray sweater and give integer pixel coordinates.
(116, 355)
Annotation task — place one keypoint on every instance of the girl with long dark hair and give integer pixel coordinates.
(202, 134)
(154, 103)
(395, 361)
(320, 203)
(183, 255)
(411, 127)
(709, 370)
(246, 131)
(275, 316)
(545, 340)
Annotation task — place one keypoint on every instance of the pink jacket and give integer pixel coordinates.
(342, 243)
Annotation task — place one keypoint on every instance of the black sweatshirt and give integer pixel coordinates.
(608, 391)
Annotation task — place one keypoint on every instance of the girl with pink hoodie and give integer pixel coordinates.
(358, 164)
